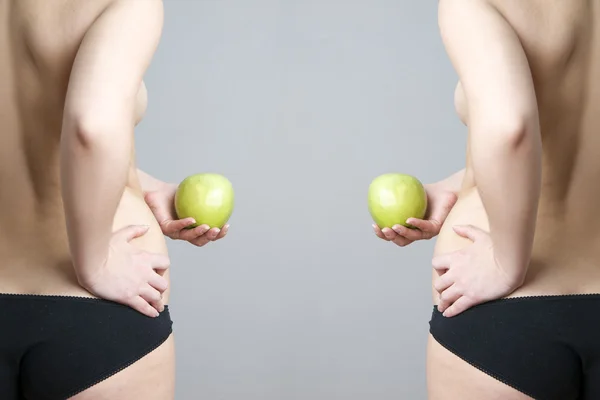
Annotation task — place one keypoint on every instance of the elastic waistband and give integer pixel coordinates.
(58, 297)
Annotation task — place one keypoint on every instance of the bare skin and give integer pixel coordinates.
(71, 92)
(529, 93)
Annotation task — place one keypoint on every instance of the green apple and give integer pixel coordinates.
(208, 198)
(394, 197)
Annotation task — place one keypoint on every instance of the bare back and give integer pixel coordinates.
(552, 58)
(562, 44)
(38, 43)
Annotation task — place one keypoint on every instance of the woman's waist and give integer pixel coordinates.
(133, 210)
(37, 257)
(564, 258)
(43, 225)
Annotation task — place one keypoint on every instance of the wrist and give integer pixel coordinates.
(160, 186)
(513, 246)
(514, 269)
(88, 271)
(432, 187)
(150, 183)
(167, 186)
(438, 187)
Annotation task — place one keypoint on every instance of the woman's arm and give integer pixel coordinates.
(504, 132)
(97, 135)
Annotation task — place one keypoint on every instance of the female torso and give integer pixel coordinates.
(562, 43)
(38, 43)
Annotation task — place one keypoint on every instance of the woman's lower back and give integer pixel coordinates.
(34, 246)
(565, 257)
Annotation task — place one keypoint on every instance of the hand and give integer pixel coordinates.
(439, 204)
(472, 275)
(161, 202)
(129, 275)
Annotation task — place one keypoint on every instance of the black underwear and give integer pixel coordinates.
(547, 347)
(53, 347)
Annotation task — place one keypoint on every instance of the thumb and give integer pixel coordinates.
(444, 208)
(133, 231)
(150, 199)
(468, 231)
(154, 203)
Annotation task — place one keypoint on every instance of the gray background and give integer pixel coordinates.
(301, 104)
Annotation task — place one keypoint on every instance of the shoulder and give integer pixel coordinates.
(549, 32)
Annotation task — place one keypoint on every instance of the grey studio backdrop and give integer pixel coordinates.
(300, 104)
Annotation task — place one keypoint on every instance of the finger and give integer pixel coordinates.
(442, 212)
(159, 262)
(172, 227)
(378, 232)
(158, 305)
(191, 234)
(389, 233)
(153, 297)
(213, 233)
(448, 297)
(441, 262)
(443, 282)
(142, 306)
(401, 241)
(431, 227)
(158, 282)
(422, 225)
(153, 201)
(411, 234)
(150, 294)
(131, 232)
(223, 232)
(459, 306)
(200, 241)
(469, 231)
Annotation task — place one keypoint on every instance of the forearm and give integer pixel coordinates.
(94, 173)
(148, 182)
(453, 183)
(507, 170)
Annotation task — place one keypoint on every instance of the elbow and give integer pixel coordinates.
(87, 131)
(513, 133)
(522, 133)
